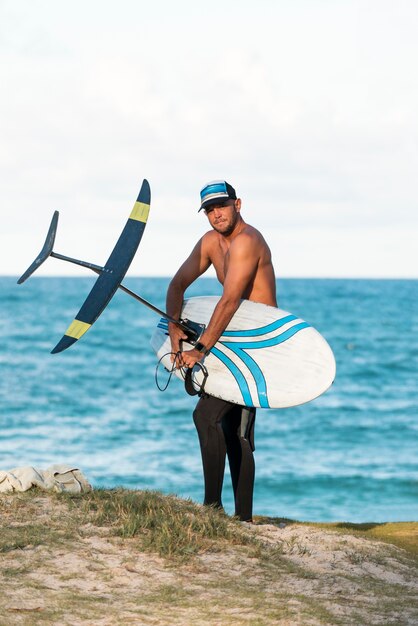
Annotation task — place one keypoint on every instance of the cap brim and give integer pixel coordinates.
(219, 201)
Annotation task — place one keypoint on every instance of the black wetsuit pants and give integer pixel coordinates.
(227, 429)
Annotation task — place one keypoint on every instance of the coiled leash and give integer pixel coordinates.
(163, 387)
(194, 331)
(190, 384)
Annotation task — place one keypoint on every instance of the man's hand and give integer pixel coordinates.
(176, 335)
(189, 358)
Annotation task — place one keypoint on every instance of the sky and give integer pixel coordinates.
(308, 108)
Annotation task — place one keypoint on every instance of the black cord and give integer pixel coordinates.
(186, 374)
(170, 372)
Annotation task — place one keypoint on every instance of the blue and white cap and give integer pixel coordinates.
(216, 192)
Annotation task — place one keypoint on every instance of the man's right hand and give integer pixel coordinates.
(176, 335)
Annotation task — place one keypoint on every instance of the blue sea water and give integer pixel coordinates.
(350, 455)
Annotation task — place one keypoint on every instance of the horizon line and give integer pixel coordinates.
(284, 277)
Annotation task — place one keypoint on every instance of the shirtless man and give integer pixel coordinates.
(242, 261)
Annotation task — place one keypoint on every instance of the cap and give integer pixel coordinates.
(216, 192)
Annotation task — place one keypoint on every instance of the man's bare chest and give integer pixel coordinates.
(220, 261)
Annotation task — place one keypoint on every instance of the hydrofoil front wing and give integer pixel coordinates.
(113, 272)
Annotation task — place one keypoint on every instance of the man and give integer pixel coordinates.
(242, 261)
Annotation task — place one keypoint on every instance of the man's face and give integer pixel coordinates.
(223, 217)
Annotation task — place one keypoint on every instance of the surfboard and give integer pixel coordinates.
(265, 358)
(113, 272)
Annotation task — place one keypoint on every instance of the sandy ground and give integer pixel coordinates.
(318, 577)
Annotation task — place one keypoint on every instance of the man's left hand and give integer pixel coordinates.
(190, 357)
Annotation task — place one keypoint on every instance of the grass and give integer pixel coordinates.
(210, 567)
(171, 527)
(166, 525)
(401, 534)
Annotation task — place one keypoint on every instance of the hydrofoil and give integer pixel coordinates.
(110, 275)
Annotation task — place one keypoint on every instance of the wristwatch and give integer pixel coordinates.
(201, 348)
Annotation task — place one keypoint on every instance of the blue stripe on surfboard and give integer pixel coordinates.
(258, 376)
(239, 347)
(267, 343)
(251, 332)
(263, 330)
(237, 374)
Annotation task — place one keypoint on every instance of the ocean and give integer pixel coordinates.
(350, 455)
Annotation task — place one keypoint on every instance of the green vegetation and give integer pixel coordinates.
(163, 524)
(401, 534)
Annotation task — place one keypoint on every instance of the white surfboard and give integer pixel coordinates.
(266, 357)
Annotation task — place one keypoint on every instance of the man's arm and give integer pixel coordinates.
(243, 262)
(196, 264)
